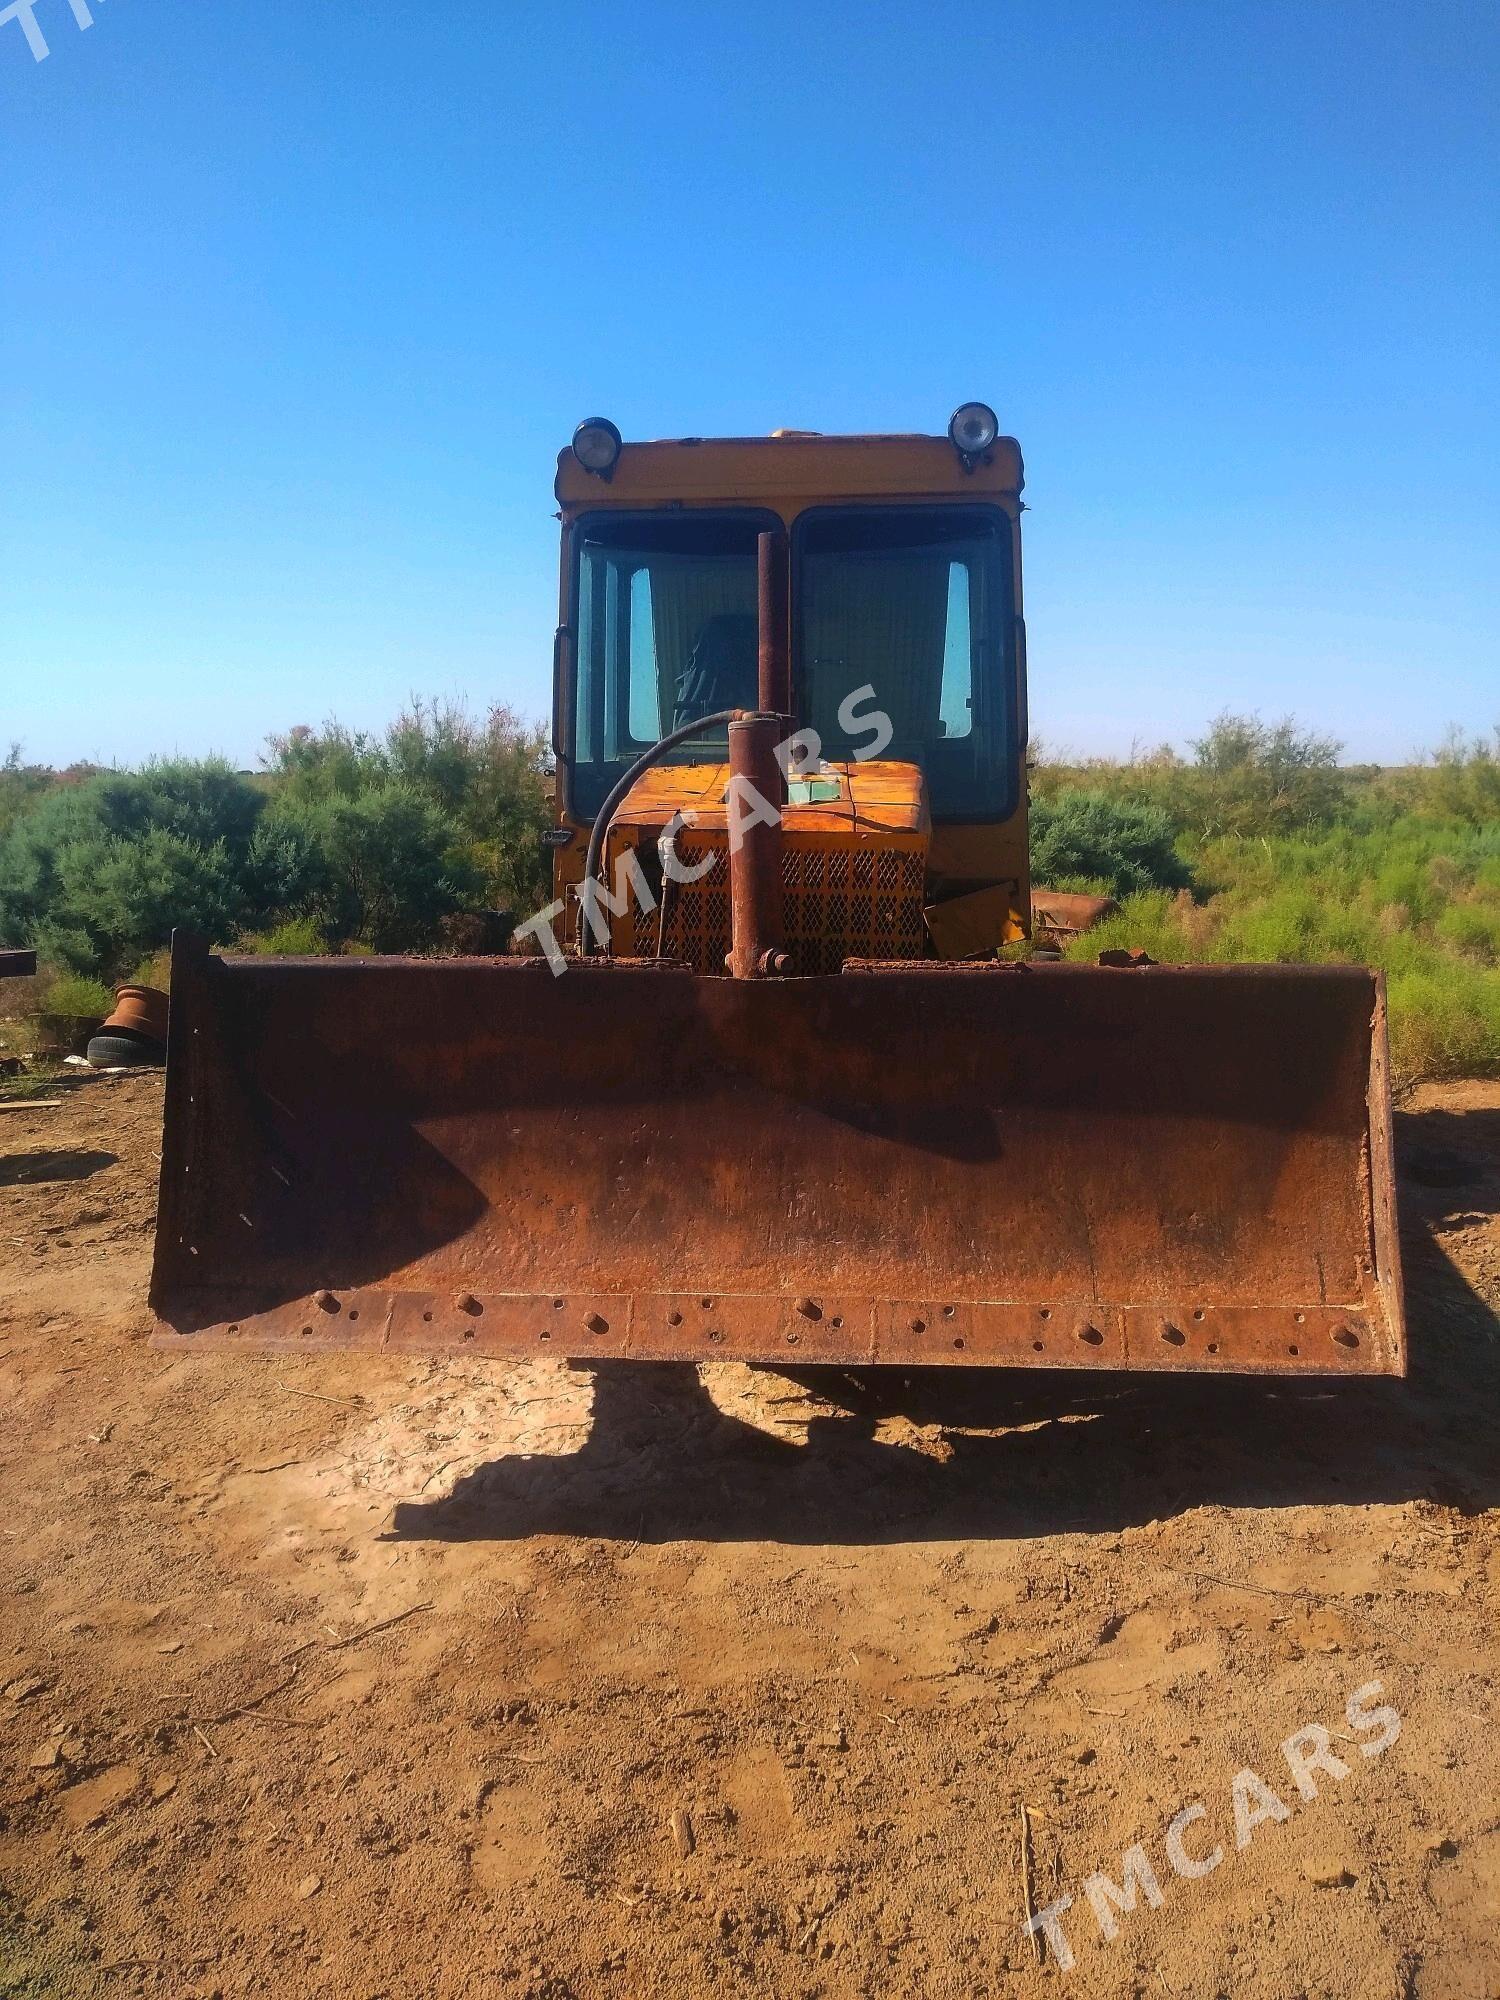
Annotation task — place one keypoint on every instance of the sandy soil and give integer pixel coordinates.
(385, 1679)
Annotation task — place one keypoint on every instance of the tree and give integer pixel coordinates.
(377, 839)
(488, 776)
(382, 867)
(117, 899)
(21, 786)
(1252, 777)
(76, 872)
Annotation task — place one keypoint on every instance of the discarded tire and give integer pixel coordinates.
(125, 1051)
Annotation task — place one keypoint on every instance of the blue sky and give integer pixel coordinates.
(298, 303)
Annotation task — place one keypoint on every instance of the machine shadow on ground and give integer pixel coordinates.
(1038, 1453)
(53, 1164)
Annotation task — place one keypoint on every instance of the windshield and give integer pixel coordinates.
(667, 631)
(912, 602)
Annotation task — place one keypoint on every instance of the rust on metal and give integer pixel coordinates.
(1061, 914)
(140, 1009)
(759, 1327)
(774, 605)
(756, 930)
(978, 922)
(1041, 1166)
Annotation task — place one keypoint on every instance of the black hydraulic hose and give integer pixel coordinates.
(616, 797)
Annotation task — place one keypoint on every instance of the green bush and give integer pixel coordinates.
(155, 969)
(383, 865)
(1252, 777)
(21, 787)
(487, 777)
(114, 898)
(347, 837)
(1087, 837)
(1247, 778)
(100, 871)
(1472, 929)
(71, 994)
(1444, 1021)
(295, 937)
(1459, 781)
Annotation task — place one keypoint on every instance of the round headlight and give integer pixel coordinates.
(973, 428)
(596, 445)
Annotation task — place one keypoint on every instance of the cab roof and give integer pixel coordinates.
(790, 468)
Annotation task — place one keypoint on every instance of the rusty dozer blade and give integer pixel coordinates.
(1047, 1165)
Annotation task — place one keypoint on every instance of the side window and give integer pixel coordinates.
(589, 659)
(956, 705)
(646, 722)
(615, 614)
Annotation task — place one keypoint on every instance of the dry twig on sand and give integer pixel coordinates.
(383, 1625)
(1233, 1583)
(1028, 1884)
(316, 1396)
(255, 1701)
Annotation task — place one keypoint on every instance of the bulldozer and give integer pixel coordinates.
(772, 1078)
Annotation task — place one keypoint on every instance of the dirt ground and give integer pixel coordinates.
(384, 1679)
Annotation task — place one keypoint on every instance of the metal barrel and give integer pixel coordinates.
(1045, 1165)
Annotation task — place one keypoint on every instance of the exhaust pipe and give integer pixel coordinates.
(775, 693)
(756, 935)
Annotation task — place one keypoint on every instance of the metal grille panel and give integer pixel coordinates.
(839, 902)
